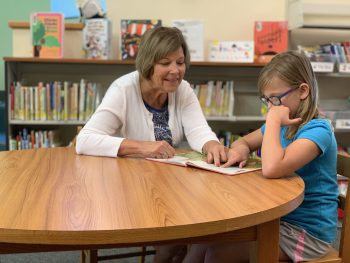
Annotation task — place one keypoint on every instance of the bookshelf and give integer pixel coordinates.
(33, 70)
(334, 86)
(246, 114)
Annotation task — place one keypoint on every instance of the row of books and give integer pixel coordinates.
(324, 57)
(34, 139)
(216, 97)
(59, 101)
(270, 38)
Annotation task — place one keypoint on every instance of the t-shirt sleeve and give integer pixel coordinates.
(318, 131)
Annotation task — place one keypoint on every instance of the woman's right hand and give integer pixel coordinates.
(146, 149)
(158, 149)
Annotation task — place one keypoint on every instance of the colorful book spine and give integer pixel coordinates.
(55, 101)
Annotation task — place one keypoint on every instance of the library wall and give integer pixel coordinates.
(232, 20)
(15, 10)
(222, 19)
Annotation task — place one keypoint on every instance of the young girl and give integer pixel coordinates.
(294, 139)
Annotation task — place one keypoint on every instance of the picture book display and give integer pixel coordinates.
(195, 159)
(47, 31)
(231, 51)
(193, 32)
(97, 38)
(131, 33)
(270, 38)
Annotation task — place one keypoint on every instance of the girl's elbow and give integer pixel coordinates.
(271, 171)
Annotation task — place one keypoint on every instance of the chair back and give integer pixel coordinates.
(343, 168)
(343, 255)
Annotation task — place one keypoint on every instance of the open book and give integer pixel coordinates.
(195, 159)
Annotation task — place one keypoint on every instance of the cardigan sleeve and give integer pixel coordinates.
(196, 128)
(96, 138)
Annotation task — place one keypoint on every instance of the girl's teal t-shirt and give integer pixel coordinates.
(318, 212)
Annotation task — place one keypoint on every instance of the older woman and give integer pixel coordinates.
(146, 113)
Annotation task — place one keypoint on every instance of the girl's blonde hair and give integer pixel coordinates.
(294, 69)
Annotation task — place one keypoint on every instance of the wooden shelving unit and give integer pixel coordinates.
(246, 114)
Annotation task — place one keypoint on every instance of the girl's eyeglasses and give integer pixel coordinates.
(275, 100)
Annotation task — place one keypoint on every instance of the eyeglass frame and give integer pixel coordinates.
(266, 100)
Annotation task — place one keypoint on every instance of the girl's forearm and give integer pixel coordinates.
(272, 152)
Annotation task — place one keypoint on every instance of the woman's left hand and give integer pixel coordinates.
(216, 152)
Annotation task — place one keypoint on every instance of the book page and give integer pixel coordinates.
(232, 170)
(198, 160)
(180, 158)
(177, 160)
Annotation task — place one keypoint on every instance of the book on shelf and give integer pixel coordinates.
(47, 29)
(34, 139)
(317, 53)
(97, 38)
(324, 57)
(54, 101)
(197, 160)
(131, 31)
(216, 98)
(231, 51)
(193, 32)
(270, 38)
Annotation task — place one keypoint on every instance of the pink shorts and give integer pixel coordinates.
(300, 245)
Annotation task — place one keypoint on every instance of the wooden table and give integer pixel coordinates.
(53, 199)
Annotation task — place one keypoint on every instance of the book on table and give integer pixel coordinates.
(197, 160)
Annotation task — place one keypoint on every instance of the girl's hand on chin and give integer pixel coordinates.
(280, 114)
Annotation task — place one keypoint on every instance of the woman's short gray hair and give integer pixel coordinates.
(155, 45)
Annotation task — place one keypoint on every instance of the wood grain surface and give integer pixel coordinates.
(55, 197)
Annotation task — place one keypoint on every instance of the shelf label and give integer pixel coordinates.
(322, 66)
(344, 67)
(342, 124)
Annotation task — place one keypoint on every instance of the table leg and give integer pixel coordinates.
(267, 247)
(88, 256)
